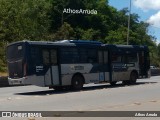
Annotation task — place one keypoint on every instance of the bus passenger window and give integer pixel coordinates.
(53, 57)
(36, 57)
(83, 55)
(132, 58)
(92, 56)
(45, 54)
(100, 57)
(105, 57)
(69, 55)
(125, 59)
(116, 58)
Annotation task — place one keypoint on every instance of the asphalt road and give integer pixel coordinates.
(143, 96)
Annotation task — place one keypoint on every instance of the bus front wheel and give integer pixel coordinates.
(77, 82)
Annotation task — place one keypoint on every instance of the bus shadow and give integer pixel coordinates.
(87, 88)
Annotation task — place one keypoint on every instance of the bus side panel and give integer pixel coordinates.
(89, 72)
(118, 76)
(107, 78)
(34, 80)
(68, 70)
(122, 71)
(96, 77)
(89, 78)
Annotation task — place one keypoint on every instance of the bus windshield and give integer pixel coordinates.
(15, 52)
(15, 60)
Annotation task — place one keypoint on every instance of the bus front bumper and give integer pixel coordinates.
(19, 81)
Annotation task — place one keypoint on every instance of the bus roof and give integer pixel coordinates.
(61, 43)
(83, 42)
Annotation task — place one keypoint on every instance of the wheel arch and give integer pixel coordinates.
(134, 71)
(78, 74)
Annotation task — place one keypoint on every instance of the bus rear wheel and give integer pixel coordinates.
(77, 82)
(132, 80)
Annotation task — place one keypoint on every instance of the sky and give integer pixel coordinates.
(148, 10)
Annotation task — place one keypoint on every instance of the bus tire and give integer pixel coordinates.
(77, 82)
(133, 77)
(113, 83)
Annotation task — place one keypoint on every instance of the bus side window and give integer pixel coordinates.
(132, 58)
(45, 55)
(53, 56)
(116, 58)
(69, 55)
(92, 56)
(35, 56)
(105, 57)
(83, 55)
(125, 59)
(129, 58)
(100, 57)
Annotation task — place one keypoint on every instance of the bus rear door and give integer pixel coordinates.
(104, 66)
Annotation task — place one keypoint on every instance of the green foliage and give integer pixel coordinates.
(44, 19)
(65, 32)
(91, 34)
(27, 19)
(3, 67)
(118, 36)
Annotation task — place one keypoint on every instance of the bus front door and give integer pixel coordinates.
(50, 62)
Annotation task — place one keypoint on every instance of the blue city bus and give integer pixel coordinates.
(73, 63)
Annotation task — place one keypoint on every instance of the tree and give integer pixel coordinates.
(45, 19)
(27, 19)
(91, 34)
(118, 36)
(65, 32)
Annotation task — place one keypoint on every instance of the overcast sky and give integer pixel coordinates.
(148, 10)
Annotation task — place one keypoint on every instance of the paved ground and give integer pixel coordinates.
(144, 96)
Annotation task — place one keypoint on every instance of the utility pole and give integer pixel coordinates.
(129, 18)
